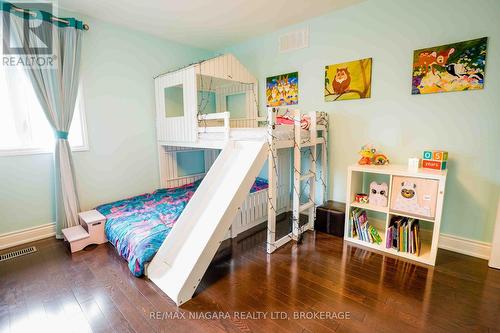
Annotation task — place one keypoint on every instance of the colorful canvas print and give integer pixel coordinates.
(349, 80)
(452, 67)
(282, 89)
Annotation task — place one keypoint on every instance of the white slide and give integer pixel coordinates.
(190, 246)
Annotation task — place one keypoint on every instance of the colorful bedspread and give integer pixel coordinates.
(138, 226)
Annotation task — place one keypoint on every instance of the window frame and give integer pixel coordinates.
(38, 151)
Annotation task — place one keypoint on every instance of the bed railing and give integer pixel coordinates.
(215, 129)
(221, 122)
(246, 122)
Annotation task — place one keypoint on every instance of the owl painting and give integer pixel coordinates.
(349, 80)
(341, 81)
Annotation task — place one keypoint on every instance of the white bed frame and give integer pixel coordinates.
(222, 202)
(251, 213)
(224, 76)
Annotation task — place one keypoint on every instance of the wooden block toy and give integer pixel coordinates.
(436, 165)
(440, 155)
(436, 155)
(427, 155)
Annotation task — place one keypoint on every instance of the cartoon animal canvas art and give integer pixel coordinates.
(414, 196)
(378, 194)
(349, 80)
(452, 67)
(282, 89)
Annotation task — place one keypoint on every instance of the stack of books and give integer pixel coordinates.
(403, 235)
(362, 229)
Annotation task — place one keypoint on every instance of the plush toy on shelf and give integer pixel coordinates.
(378, 194)
(367, 152)
(369, 155)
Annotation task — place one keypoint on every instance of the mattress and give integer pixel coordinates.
(286, 132)
(138, 226)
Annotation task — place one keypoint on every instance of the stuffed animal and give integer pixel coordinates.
(378, 194)
(366, 152)
(369, 155)
(380, 159)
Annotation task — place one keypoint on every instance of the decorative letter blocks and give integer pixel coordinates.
(436, 160)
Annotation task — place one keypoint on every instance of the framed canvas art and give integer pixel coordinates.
(451, 67)
(348, 80)
(282, 89)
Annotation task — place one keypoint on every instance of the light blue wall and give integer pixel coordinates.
(206, 101)
(118, 66)
(190, 162)
(467, 124)
(236, 105)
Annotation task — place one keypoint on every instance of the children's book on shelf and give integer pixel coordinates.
(403, 235)
(362, 229)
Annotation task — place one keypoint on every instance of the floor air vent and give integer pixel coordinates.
(18, 253)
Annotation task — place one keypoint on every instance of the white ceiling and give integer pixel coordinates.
(209, 24)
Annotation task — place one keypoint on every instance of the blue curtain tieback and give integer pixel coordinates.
(62, 135)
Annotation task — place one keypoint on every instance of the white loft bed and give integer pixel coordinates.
(193, 113)
(224, 76)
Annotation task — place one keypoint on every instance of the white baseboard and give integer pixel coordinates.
(457, 244)
(465, 246)
(27, 235)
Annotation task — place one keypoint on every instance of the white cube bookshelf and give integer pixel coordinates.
(358, 180)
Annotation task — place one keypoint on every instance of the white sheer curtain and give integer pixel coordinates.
(56, 89)
(23, 125)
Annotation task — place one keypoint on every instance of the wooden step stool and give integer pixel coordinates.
(90, 231)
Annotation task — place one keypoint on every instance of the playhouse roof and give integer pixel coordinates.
(225, 67)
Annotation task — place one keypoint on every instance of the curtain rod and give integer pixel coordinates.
(21, 10)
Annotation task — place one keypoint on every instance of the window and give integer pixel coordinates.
(174, 101)
(23, 126)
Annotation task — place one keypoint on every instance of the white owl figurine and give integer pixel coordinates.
(378, 194)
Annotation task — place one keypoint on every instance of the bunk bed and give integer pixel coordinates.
(195, 112)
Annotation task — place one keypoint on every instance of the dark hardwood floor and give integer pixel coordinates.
(354, 290)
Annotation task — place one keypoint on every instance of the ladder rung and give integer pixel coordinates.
(306, 206)
(307, 176)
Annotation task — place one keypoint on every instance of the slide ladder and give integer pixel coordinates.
(184, 256)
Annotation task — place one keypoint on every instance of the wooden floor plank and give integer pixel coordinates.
(93, 291)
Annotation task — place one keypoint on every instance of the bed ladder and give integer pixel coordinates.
(309, 206)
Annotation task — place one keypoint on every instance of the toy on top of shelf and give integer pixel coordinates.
(436, 165)
(369, 155)
(378, 194)
(436, 160)
(367, 152)
(380, 159)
